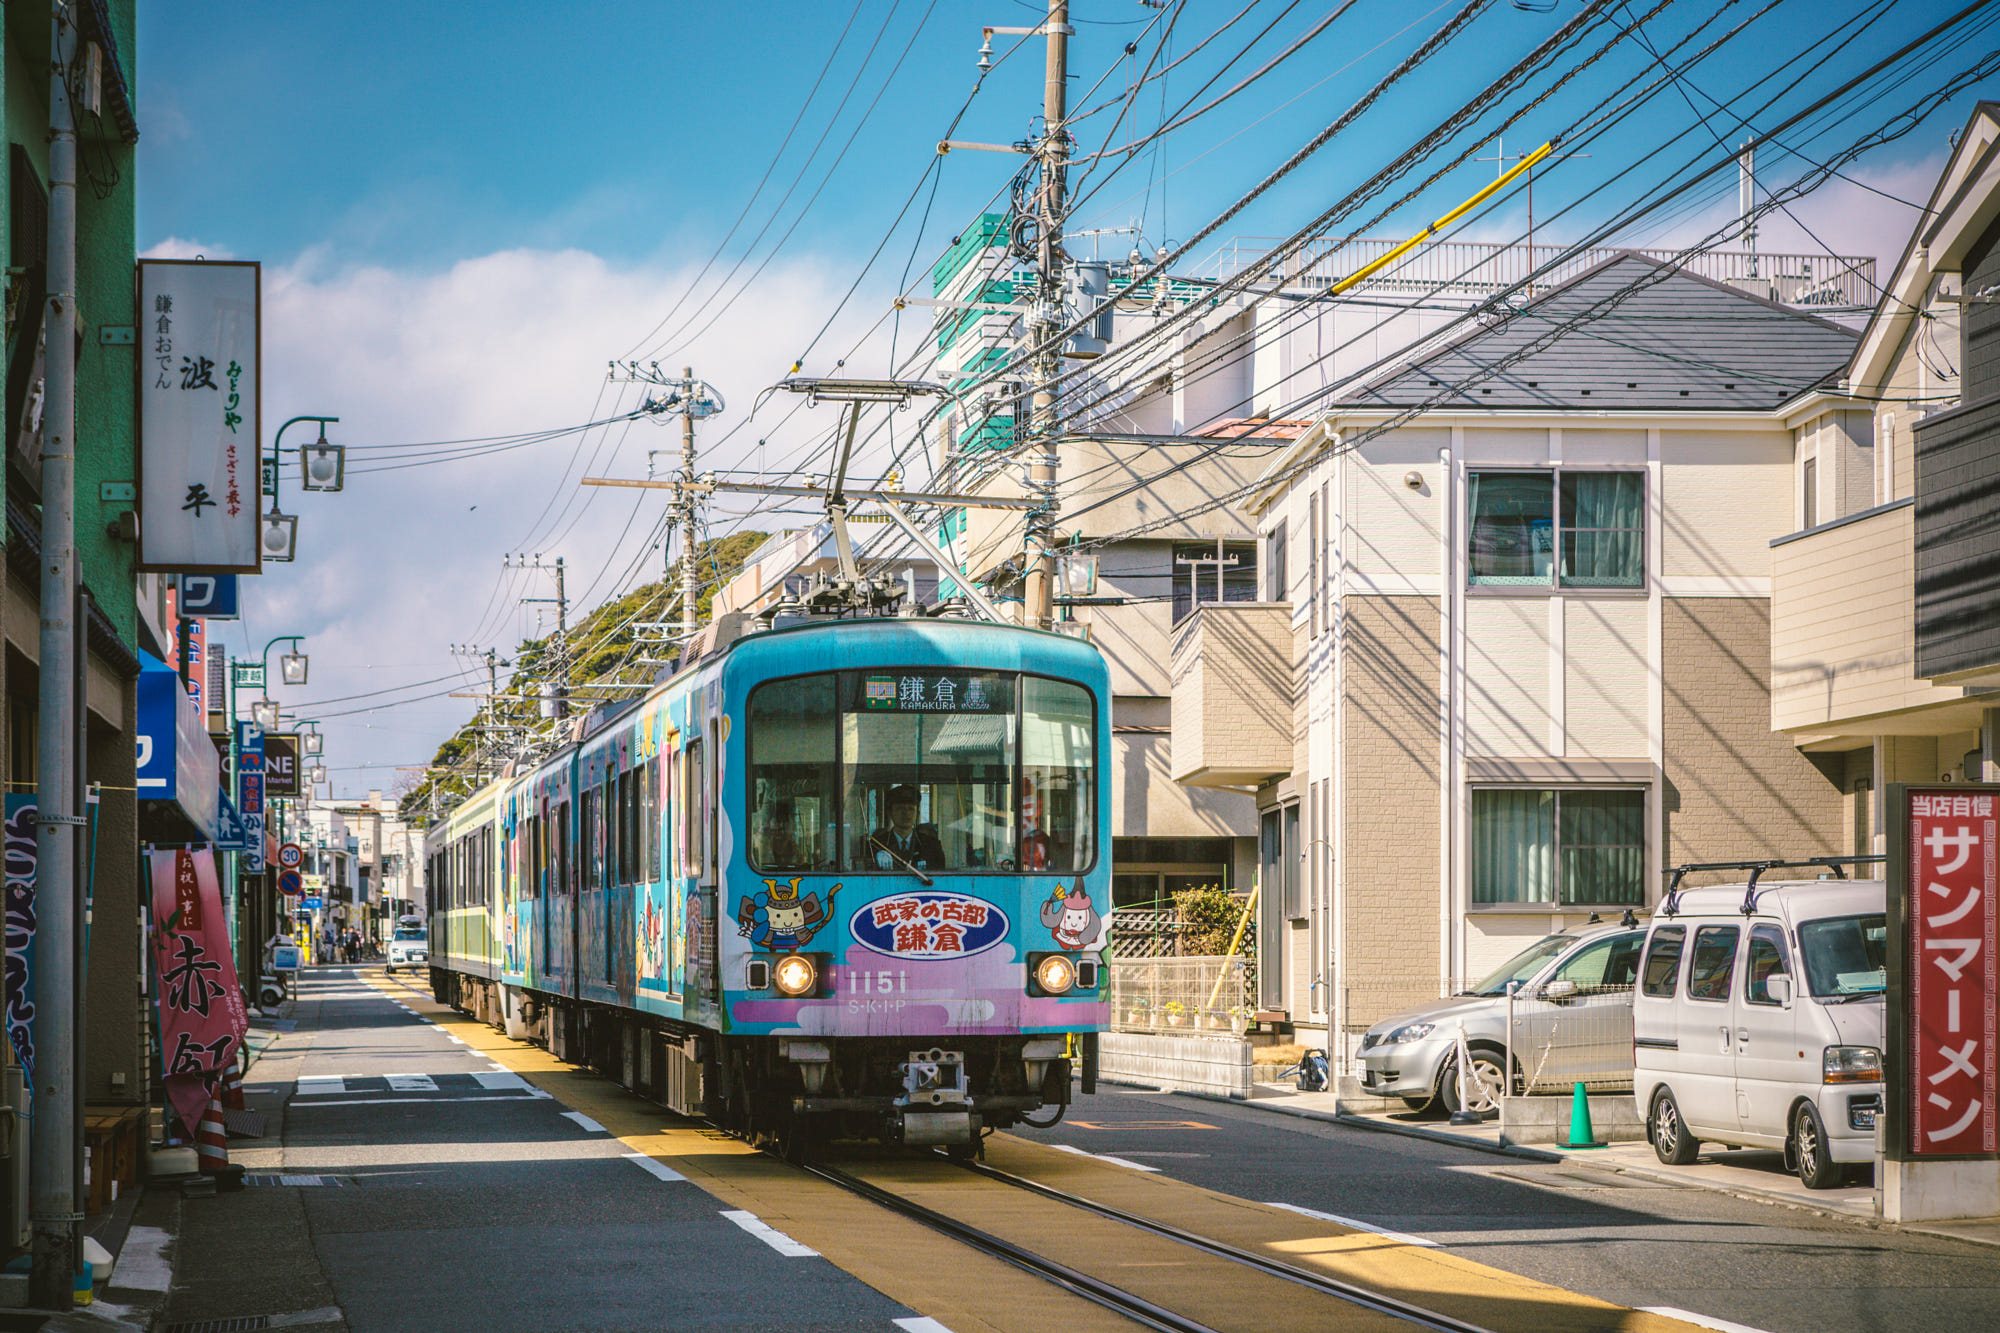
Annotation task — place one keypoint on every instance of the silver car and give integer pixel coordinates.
(1572, 1024)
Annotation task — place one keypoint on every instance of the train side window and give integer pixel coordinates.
(628, 827)
(1058, 775)
(562, 848)
(587, 838)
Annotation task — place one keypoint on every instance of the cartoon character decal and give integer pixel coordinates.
(1071, 919)
(651, 942)
(779, 917)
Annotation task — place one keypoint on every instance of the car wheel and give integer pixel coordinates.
(1485, 1083)
(1817, 1169)
(1672, 1143)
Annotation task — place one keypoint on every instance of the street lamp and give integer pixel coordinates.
(292, 665)
(264, 712)
(323, 470)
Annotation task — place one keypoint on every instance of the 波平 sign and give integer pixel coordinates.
(199, 419)
(1943, 962)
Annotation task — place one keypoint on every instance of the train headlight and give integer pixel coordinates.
(795, 975)
(1056, 974)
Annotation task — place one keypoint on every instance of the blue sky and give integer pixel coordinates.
(465, 210)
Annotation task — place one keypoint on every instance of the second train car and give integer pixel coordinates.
(847, 879)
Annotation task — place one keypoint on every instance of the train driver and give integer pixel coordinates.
(903, 842)
(779, 844)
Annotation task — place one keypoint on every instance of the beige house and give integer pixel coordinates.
(1883, 601)
(1526, 605)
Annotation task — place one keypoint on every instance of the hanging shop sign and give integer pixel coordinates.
(1943, 972)
(210, 595)
(250, 793)
(199, 416)
(202, 1012)
(177, 762)
(281, 764)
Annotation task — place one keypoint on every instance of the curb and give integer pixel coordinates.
(1662, 1176)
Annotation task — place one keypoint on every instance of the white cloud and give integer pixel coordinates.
(402, 565)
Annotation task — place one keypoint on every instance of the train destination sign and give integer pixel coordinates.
(936, 692)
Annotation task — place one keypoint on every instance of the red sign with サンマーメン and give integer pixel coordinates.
(1953, 975)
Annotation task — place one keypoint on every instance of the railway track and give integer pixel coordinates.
(1142, 1310)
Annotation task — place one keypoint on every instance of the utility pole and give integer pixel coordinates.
(558, 651)
(53, 1133)
(689, 545)
(1047, 319)
(696, 399)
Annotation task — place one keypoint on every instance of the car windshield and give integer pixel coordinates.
(1516, 970)
(1845, 955)
(409, 932)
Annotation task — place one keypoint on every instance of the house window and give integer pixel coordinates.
(1810, 485)
(1553, 528)
(1276, 591)
(1214, 571)
(1571, 846)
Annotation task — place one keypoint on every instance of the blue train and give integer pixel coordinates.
(849, 879)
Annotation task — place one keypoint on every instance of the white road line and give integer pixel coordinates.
(921, 1324)
(412, 1083)
(459, 1040)
(1100, 1157)
(656, 1169)
(142, 1265)
(497, 1079)
(1699, 1320)
(321, 1086)
(1403, 1237)
(777, 1240)
(589, 1126)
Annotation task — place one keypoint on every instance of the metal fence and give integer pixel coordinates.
(1181, 995)
(1554, 1037)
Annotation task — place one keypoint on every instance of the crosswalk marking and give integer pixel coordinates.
(1358, 1226)
(500, 1081)
(588, 1125)
(321, 1086)
(412, 1083)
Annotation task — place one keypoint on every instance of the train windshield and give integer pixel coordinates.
(932, 770)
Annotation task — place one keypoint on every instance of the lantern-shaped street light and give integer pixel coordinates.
(292, 668)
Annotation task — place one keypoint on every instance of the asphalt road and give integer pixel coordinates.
(411, 1182)
(419, 1186)
(1638, 1244)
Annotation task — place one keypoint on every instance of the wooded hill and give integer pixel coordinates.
(610, 657)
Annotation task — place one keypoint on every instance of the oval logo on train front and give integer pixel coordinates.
(928, 924)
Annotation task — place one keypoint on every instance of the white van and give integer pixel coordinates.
(1757, 1021)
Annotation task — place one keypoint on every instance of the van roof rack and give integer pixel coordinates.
(1672, 905)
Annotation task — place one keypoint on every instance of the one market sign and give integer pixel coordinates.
(281, 764)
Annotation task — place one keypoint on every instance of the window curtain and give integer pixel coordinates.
(1512, 527)
(1603, 847)
(1603, 520)
(1513, 847)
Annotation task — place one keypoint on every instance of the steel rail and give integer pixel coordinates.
(1116, 1299)
(1346, 1291)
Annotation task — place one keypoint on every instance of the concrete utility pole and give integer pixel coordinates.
(689, 545)
(53, 1137)
(1043, 460)
(557, 657)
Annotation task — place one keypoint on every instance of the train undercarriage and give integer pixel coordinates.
(796, 1093)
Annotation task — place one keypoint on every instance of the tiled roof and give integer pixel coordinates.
(1630, 334)
(1261, 428)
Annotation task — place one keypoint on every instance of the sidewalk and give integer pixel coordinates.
(1745, 1173)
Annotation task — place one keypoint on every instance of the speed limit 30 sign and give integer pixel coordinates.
(291, 856)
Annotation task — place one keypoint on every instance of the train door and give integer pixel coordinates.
(674, 929)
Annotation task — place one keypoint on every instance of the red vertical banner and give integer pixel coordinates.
(202, 1013)
(1951, 970)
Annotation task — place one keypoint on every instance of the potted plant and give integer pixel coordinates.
(1176, 1013)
